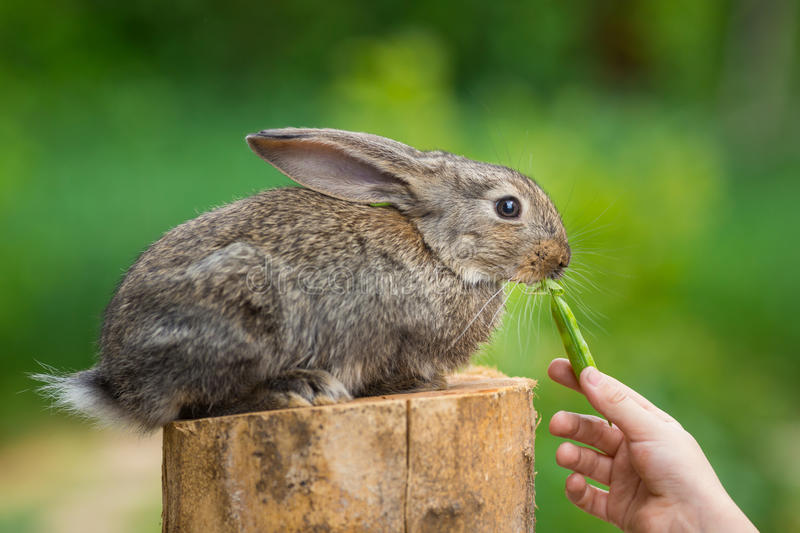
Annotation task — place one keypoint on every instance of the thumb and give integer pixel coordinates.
(618, 403)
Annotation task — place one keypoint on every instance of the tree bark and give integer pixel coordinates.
(459, 459)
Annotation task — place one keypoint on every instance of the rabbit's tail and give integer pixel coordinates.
(81, 393)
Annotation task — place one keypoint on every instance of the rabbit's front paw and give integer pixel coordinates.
(300, 387)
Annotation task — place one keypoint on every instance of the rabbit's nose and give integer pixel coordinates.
(563, 263)
(550, 258)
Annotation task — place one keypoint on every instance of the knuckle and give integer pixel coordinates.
(581, 429)
(590, 460)
(585, 500)
(616, 395)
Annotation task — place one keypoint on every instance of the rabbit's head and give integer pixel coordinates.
(485, 222)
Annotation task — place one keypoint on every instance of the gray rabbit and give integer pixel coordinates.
(315, 295)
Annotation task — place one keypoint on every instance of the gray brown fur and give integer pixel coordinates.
(297, 296)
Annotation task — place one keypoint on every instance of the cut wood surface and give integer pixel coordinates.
(459, 459)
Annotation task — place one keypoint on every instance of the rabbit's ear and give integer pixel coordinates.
(358, 167)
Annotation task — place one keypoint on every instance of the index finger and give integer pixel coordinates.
(560, 371)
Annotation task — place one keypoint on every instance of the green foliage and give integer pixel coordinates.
(122, 120)
(19, 521)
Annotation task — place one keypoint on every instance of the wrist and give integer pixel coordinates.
(723, 515)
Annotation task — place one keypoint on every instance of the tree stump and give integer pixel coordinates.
(459, 459)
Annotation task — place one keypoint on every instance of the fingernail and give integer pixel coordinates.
(592, 376)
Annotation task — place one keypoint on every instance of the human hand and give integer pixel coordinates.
(657, 476)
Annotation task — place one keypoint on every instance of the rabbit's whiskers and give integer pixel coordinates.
(503, 305)
(477, 315)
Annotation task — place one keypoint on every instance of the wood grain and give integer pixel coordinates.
(459, 459)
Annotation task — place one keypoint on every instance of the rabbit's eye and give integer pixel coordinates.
(507, 207)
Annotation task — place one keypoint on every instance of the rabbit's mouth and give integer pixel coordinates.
(548, 260)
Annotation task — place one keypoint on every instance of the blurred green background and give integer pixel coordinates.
(666, 132)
